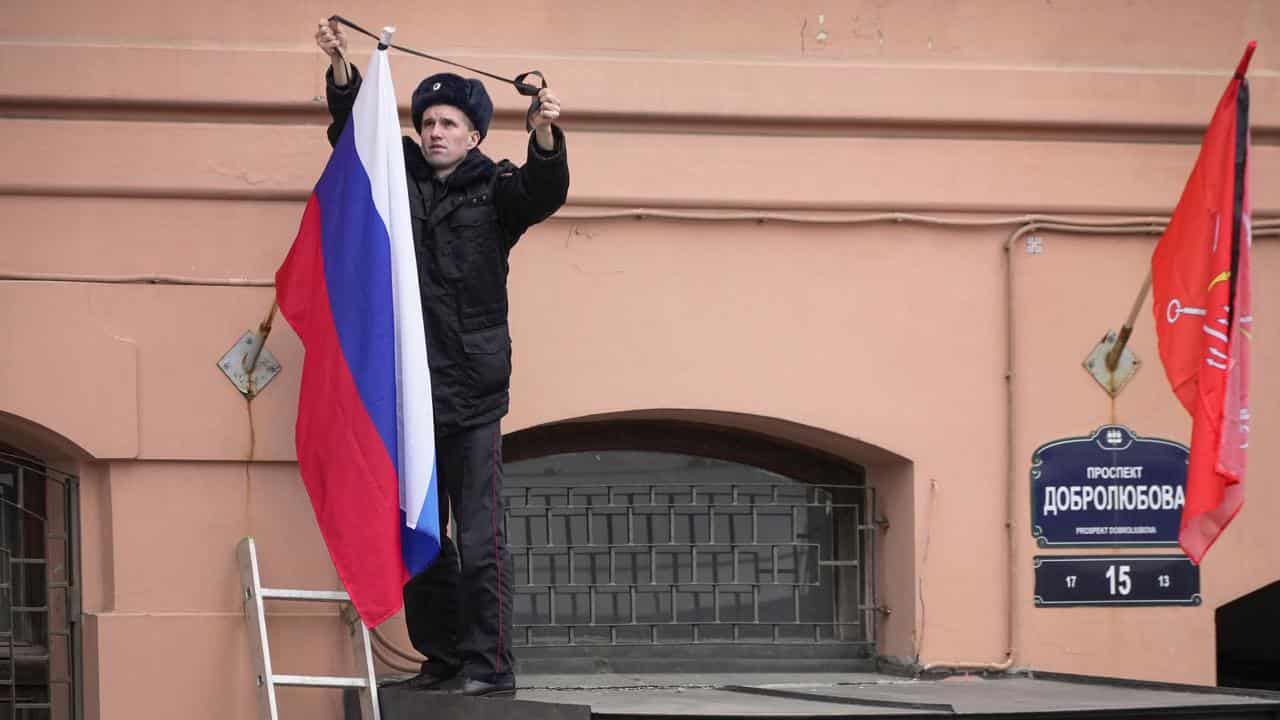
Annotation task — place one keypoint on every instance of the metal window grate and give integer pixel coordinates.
(39, 590)
(644, 548)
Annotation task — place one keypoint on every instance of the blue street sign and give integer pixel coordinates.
(1112, 488)
(1116, 580)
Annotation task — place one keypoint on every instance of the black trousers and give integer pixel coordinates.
(459, 609)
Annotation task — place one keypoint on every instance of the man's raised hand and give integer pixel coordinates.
(331, 39)
(548, 112)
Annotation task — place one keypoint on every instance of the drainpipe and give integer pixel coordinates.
(1011, 467)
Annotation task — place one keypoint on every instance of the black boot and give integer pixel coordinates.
(435, 678)
(503, 686)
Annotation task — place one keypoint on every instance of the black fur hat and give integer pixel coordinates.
(468, 95)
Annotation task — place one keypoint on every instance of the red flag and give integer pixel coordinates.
(1200, 277)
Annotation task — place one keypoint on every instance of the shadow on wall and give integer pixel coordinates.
(1248, 630)
(54, 449)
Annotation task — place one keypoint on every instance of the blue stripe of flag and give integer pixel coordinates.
(357, 268)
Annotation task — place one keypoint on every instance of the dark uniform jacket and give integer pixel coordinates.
(463, 230)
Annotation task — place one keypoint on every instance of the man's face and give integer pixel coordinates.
(447, 136)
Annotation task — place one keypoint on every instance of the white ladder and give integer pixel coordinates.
(255, 616)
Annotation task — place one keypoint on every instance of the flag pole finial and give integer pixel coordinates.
(384, 41)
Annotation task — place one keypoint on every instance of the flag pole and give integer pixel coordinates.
(1113, 357)
(264, 329)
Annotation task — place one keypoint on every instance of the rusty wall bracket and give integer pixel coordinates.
(1127, 365)
(233, 364)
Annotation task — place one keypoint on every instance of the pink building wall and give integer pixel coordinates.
(180, 139)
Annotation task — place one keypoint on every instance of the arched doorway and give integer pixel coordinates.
(664, 545)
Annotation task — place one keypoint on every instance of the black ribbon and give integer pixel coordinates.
(518, 82)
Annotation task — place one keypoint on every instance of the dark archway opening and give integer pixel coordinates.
(1248, 631)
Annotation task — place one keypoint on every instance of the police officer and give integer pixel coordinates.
(468, 212)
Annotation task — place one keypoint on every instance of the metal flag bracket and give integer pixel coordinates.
(249, 378)
(1112, 379)
(249, 365)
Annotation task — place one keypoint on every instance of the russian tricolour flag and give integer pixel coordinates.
(349, 288)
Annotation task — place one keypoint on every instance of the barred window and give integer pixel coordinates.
(648, 548)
